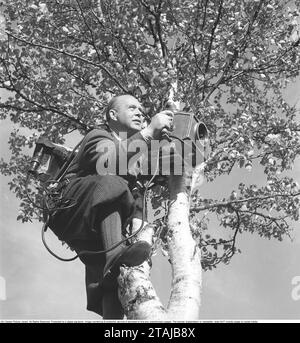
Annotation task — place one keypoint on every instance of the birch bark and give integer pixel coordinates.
(136, 291)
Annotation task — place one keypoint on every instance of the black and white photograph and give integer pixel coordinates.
(150, 163)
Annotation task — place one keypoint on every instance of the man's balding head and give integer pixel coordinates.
(125, 113)
(112, 105)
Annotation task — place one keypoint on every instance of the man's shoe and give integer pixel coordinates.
(131, 256)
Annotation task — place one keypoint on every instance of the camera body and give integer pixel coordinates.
(187, 127)
(179, 150)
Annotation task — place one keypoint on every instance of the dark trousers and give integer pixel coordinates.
(103, 207)
(102, 295)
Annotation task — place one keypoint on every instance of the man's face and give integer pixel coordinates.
(129, 114)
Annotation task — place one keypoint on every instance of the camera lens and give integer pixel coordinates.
(201, 131)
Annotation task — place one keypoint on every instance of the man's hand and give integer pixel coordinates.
(162, 120)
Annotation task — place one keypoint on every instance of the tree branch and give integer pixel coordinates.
(159, 33)
(237, 52)
(48, 109)
(100, 66)
(271, 219)
(90, 30)
(217, 21)
(241, 201)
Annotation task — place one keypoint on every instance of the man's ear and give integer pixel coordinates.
(113, 115)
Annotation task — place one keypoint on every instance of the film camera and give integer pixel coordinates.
(184, 146)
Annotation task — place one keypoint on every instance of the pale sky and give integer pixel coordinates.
(256, 285)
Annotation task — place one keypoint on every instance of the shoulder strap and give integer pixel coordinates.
(62, 172)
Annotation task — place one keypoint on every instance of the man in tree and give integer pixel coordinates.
(104, 203)
(228, 62)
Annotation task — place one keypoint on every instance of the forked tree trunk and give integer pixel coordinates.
(136, 291)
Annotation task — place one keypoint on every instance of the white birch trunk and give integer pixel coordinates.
(136, 291)
(185, 296)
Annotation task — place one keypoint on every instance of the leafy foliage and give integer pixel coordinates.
(227, 61)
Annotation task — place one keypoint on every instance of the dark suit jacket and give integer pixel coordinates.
(91, 192)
